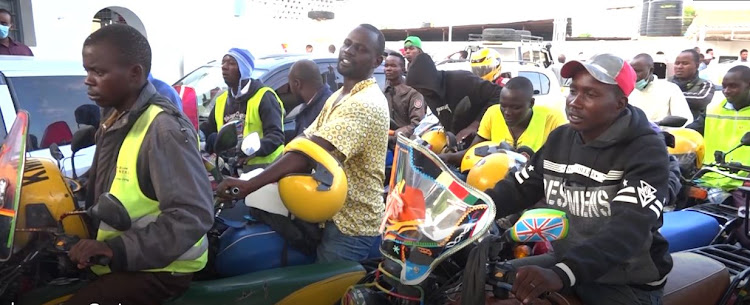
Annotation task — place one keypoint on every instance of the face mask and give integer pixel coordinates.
(641, 84)
(4, 29)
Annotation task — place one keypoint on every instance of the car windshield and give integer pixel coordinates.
(56, 106)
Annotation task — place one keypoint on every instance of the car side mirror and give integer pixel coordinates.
(226, 138)
(83, 138)
(108, 209)
(540, 225)
(745, 139)
(672, 121)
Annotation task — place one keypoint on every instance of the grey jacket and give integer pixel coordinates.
(169, 171)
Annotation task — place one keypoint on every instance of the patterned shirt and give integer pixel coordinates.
(357, 126)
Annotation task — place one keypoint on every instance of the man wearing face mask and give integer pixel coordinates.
(249, 101)
(7, 45)
(657, 98)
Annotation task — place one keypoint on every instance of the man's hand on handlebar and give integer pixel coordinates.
(533, 281)
(83, 251)
(233, 188)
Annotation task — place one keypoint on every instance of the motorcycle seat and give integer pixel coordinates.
(688, 229)
(696, 280)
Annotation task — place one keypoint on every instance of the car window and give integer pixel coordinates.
(540, 81)
(52, 103)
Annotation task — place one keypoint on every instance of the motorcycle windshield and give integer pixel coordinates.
(12, 158)
(430, 213)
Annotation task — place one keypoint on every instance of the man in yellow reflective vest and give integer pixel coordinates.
(147, 156)
(724, 124)
(516, 120)
(249, 101)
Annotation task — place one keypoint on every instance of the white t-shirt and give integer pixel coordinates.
(659, 99)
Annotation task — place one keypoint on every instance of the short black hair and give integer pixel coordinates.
(308, 46)
(659, 53)
(133, 47)
(380, 44)
(709, 50)
(400, 57)
(744, 72)
(649, 60)
(743, 51)
(306, 70)
(695, 54)
(520, 83)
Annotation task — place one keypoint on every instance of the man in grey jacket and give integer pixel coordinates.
(147, 156)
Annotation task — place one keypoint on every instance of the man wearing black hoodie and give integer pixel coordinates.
(458, 98)
(608, 171)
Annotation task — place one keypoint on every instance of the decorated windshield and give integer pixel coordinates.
(430, 214)
(12, 157)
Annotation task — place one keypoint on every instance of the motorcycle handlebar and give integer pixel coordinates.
(705, 170)
(100, 260)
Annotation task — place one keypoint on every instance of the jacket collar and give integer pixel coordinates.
(124, 119)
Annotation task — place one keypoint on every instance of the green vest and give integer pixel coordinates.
(253, 122)
(723, 130)
(143, 210)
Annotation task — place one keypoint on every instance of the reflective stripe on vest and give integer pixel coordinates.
(253, 122)
(143, 210)
(723, 130)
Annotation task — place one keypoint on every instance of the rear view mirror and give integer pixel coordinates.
(108, 209)
(83, 138)
(55, 152)
(251, 144)
(672, 121)
(746, 139)
(226, 139)
(540, 225)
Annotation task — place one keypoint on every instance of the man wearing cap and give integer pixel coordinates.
(412, 48)
(257, 108)
(608, 171)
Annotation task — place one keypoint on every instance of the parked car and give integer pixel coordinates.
(52, 92)
(204, 84)
(547, 90)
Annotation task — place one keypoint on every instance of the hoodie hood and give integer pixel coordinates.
(631, 124)
(246, 63)
(423, 74)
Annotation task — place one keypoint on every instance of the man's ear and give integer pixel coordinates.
(531, 103)
(378, 61)
(622, 102)
(135, 74)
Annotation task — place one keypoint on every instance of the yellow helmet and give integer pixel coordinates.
(45, 196)
(318, 196)
(486, 63)
(438, 140)
(689, 148)
(489, 171)
(476, 153)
